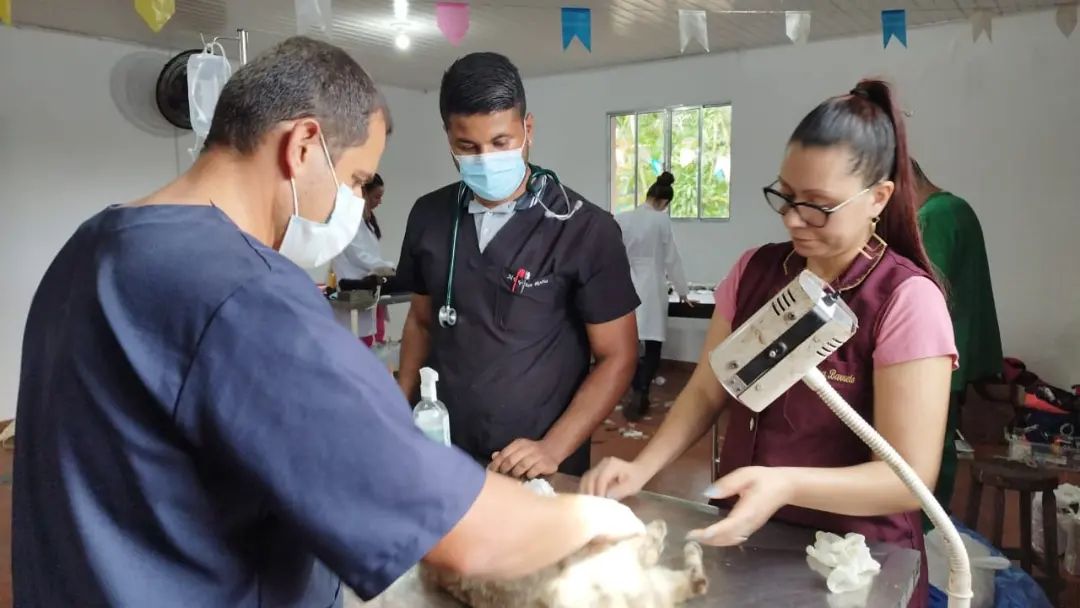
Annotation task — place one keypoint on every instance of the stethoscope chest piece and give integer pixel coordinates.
(447, 316)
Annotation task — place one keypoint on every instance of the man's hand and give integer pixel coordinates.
(535, 531)
(686, 300)
(524, 458)
(608, 520)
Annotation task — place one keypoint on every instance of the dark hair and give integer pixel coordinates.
(376, 181)
(918, 172)
(871, 125)
(374, 225)
(481, 83)
(661, 189)
(298, 78)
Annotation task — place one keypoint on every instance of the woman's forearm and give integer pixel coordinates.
(914, 390)
(695, 410)
(862, 490)
(693, 413)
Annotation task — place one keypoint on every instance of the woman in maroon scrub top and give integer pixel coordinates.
(845, 196)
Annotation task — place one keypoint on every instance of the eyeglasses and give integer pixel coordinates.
(814, 215)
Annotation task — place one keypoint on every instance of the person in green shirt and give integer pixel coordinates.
(954, 243)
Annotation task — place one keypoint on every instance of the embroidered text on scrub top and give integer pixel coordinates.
(835, 376)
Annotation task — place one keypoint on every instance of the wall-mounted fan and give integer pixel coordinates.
(172, 90)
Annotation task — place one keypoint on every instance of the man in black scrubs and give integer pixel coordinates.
(517, 281)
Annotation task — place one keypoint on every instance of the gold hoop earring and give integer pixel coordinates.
(869, 249)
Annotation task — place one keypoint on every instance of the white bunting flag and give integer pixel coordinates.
(1066, 19)
(981, 21)
(693, 25)
(798, 26)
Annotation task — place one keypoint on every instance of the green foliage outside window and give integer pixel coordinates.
(694, 143)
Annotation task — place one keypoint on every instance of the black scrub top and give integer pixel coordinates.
(515, 359)
(195, 429)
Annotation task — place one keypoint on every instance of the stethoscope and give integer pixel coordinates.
(448, 316)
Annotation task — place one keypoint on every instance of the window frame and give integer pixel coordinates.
(668, 112)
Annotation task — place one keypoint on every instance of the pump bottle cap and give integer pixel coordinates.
(428, 379)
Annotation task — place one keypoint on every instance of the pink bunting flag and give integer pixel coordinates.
(453, 20)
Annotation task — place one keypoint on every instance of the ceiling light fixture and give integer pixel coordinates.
(401, 24)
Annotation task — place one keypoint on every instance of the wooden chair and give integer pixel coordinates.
(1002, 476)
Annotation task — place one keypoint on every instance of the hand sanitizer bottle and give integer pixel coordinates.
(430, 415)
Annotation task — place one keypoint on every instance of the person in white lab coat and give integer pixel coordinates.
(654, 260)
(363, 258)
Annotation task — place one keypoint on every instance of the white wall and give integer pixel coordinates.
(79, 130)
(67, 149)
(996, 123)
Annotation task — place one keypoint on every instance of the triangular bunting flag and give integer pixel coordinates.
(5, 12)
(156, 13)
(693, 25)
(314, 17)
(981, 22)
(1066, 19)
(798, 26)
(453, 20)
(894, 23)
(577, 23)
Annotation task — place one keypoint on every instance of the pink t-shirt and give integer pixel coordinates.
(914, 325)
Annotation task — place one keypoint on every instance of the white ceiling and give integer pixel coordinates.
(528, 31)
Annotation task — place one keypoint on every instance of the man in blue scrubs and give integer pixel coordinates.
(540, 287)
(194, 427)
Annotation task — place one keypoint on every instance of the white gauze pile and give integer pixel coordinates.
(540, 486)
(845, 562)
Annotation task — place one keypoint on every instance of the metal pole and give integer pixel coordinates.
(243, 36)
(715, 452)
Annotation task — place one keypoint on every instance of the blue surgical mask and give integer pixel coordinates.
(494, 176)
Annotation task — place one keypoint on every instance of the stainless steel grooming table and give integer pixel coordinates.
(769, 570)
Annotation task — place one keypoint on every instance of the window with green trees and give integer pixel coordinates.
(693, 142)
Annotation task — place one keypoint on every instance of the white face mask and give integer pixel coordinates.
(311, 244)
(207, 74)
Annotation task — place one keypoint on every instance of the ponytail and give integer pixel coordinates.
(898, 224)
(871, 124)
(373, 224)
